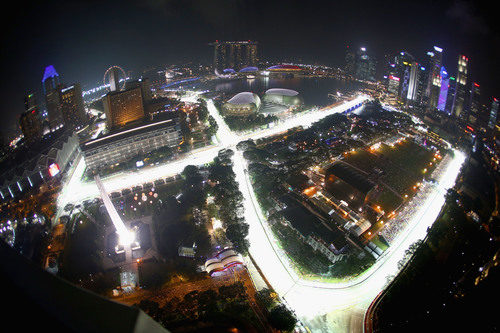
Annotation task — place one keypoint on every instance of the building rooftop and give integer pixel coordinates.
(281, 91)
(50, 71)
(126, 133)
(244, 98)
(285, 67)
(249, 69)
(351, 176)
(308, 224)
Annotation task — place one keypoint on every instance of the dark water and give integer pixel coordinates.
(314, 91)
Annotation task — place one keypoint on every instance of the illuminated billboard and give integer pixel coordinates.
(53, 169)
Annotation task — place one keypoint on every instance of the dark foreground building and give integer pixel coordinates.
(50, 304)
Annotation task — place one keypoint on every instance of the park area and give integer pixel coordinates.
(397, 168)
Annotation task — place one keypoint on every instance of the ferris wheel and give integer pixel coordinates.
(115, 78)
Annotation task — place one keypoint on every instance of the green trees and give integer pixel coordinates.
(213, 127)
(282, 319)
(229, 200)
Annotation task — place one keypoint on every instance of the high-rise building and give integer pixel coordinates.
(30, 121)
(474, 109)
(114, 79)
(493, 119)
(443, 93)
(459, 109)
(433, 86)
(350, 61)
(72, 106)
(399, 73)
(51, 90)
(50, 80)
(123, 107)
(365, 65)
(29, 101)
(452, 87)
(416, 85)
(234, 55)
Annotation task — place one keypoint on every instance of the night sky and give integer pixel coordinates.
(83, 38)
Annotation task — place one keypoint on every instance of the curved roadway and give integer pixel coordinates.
(323, 307)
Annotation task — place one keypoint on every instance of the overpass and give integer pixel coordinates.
(126, 237)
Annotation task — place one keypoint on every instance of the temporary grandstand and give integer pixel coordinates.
(223, 260)
(345, 183)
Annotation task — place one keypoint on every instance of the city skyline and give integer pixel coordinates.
(95, 39)
(258, 166)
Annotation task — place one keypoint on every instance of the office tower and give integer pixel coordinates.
(365, 65)
(473, 116)
(416, 82)
(404, 63)
(30, 122)
(50, 79)
(51, 90)
(433, 86)
(29, 101)
(123, 107)
(234, 55)
(393, 84)
(452, 87)
(350, 61)
(443, 93)
(493, 114)
(398, 73)
(72, 107)
(145, 86)
(460, 93)
(114, 79)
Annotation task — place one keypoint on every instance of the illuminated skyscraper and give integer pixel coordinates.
(443, 93)
(72, 107)
(493, 114)
(458, 109)
(114, 79)
(51, 90)
(123, 107)
(416, 85)
(433, 86)
(234, 55)
(474, 114)
(452, 87)
(365, 65)
(30, 121)
(350, 61)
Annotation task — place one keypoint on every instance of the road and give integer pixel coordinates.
(323, 307)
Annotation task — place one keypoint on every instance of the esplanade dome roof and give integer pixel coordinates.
(284, 67)
(281, 91)
(249, 69)
(244, 98)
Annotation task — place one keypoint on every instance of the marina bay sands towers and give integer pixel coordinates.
(234, 55)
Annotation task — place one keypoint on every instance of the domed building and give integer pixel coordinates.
(249, 69)
(282, 96)
(242, 104)
(284, 68)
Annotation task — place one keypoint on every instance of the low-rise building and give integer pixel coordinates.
(39, 165)
(121, 146)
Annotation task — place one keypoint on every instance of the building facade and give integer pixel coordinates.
(51, 89)
(123, 107)
(30, 121)
(433, 85)
(121, 146)
(234, 55)
(72, 107)
(31, 125)
(459, 101)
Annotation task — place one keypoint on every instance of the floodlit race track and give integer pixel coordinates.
(309, 299)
